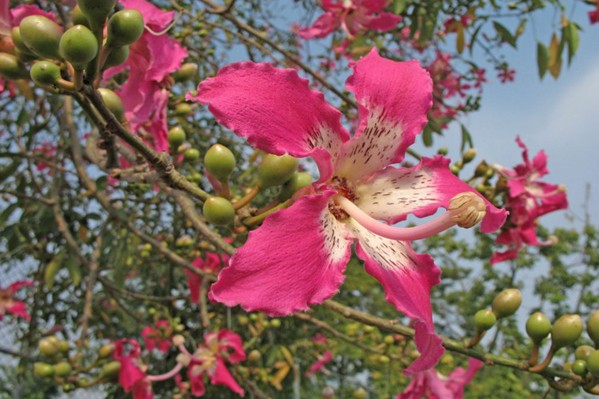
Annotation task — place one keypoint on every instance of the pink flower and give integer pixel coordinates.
(506, 74)
(212, 264)
(159, 336)
(432, 385)
(528, 198)
(131, 376)
(298, 256)
(319, 364)
(594, 15)
(46, 150)
(353, 16)
(151, 60)
(209, 360)
(10, 304)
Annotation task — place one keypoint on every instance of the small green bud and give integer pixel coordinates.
(219, 162)
(41, 35)
(96, 11)
(566, 330)
(593, 363)
(48, 347)
(389, 340)
(360, 393)
(254, 356)
(125, 27)
(469, 155)
(579, 367)
(297, 181)
(113, 103)
(45, 73)
(110, 369)
(275, 323)
(62, 369)
(219, 211)
(176, 136)
(583, 351)
(538, 327)
(117, 56)
(276, 170)
(484, 319)
(62, 345)
(593, 327)
(11, 68)
(384, 359)
(191, 155)
(79, 17)
(43, 369)
(79, 46)
(506, 302)
(105, 351)
(186, 72)
(182, 109)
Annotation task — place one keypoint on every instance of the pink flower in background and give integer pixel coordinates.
(594, 15)
(318, 365)
(212, 264)
(298, 256)
(431, 384)
(528, 198)
(506, 74)
(210, 358)
(10, 304)
(158, 336)
(151, 60)
(132, 378)
(353, 16)
(46, 150)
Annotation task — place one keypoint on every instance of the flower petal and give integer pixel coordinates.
(275, 110)
(307, 267)
(384, 22)
(229, 340)
(392, 193)
(221, 376)
(322, 27)
(394, 98)
(407, 279)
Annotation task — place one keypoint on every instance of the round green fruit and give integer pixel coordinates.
(191, 155)
(507, 302)
(48, 347)
(117, 56)
(110, 369)
(276, 170)
(275, 323)
(593, 363)
(182, 109)
(297, 181)
(113, 103)
(360, 393)
(186, 72)
(593, 327)
(484, 319)
(176, 136)
(105, 351)
(538, 327)
(579, 367)
(11, 68)
(45, 73)
(79, 17)
(43, 369)
(79, 46)
(254, 356)
(583, 351)
(18, 41)
(62, 369)
(219, 162)
(124, 28)
(96, 11)
(219, 211)
(566, 330)
(41, 35)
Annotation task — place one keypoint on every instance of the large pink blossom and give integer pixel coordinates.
(10, 304)
(298, 256)
(211, 264)
(132, 377)
(353, 16)
(528, 198)
(151, 60)
(210, 359)
(431, 384)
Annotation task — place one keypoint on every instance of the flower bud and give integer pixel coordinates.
(79, 46)
(79, 17)
(124, 28)
(45, 73)
(62, 369)
(113, 103)
(538, 327)
(110, 369)
(254, 356)
(11, 68)
(41, 35)
(219, 211)
(469, 155)
(484, 319)
(116, 57)
(593, 363)
(220, 162)
(176, 136)
(297, 181)
(105, 351)
(182, 109)
(583, 351)
(593, 327)
(191, 155)
(43, 369)
(579, 367)
(276, 170)
(96, 11)
(566, 330)
(506, 302)
(186, 72)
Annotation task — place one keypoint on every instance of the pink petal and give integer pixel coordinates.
(221, 376)
(129, 374)
(394, 98)
(384, 22)
(275, 110)
(154, 17)
(459, 378)
(407, 279)
(229, 340)
(194, 281)
(306, 268)
(322, 27)
(17, 14)
(372, 6)
(318, 365)
(5, 25)
(391, 194)
(196, 378)
(17, 285)
(143, 390)
(19, 309)
(166, 56)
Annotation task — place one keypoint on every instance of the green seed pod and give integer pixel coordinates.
(113, 103)
(18, 41)
(506, 302)
(469, 155)
(11, 68)
(484, 319)
(110, 369)
(96, 11)
(43, 369)
(45, 73)
(276, 170)
(79, 46)
(566, 330)
(176, 136)
(254, 356)
(579, 367)
(593, 327)
(297, 181)
(219, 162)
(583, 351)
(191, 155)
(186, 72)
(124, 28)
(62, 369)
(117, 56)
(593, 363)
(105, 351)
(48, 347)
(360, 393)
(219, 211)
(41, 35)
(62, 345)
(79, 17)
(538, 327)
(182, 109)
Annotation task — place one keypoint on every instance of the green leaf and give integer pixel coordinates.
(572, 39)
(504, 34)
(399, 6)
(466, 138)
(460, 41)
(427, 136)
(520, 29)
(542, 59)
(555, 57)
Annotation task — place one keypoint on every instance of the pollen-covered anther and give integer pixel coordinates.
(467, 209)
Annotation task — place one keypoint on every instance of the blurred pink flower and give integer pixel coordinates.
(158, 336)
(132, 378)
(319, 364)
(10, 304)
(211, 264)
